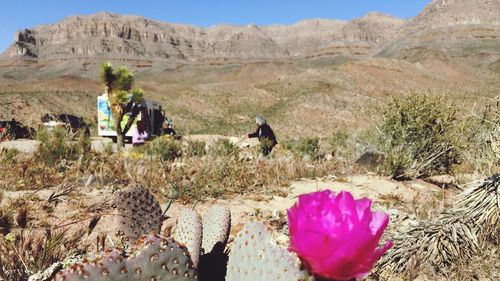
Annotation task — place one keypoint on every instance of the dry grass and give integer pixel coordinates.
(220, 173)
(27, 249)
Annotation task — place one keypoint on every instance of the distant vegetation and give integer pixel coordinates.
(190, 170)
(59, 144)
(419, 136)
(425, 135)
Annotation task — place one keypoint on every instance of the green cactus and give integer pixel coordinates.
(216, 227)
(135, 212)
(104, 267)
(154, 258)
(189, 231)
(254, 257)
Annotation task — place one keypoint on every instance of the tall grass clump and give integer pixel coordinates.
(164, 148)
(340, 145)
(419, 135)
(196, 149)
(59, 144)
(8, 154)
(26, 251)
(307, 147)
(223, 147)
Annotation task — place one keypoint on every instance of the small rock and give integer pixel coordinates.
(371, 160)
(48, 274)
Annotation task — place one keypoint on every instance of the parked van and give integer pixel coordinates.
(150, 112)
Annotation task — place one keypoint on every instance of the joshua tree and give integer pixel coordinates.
(118, 85)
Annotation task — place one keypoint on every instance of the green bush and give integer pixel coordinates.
(223, 147)
(59, 144)
(419, 135)
(339, 143)
(165, 148)
(265, 144)
(307, 147)
(482, 132)
(196, 149)
(8, 154)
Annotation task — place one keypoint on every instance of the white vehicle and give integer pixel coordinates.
(150, 112)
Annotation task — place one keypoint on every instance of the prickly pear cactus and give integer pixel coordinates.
(216, 227)
(254, 257)
(155, 258)
(161, 259)
(189, 232)
(135, 212)
(105, 267)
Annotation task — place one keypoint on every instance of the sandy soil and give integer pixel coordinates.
(248, 208)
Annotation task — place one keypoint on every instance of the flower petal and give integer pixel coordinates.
(336, 235)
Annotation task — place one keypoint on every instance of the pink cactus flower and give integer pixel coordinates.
(336, 236)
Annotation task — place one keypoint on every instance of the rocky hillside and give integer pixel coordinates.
(113, 36)
(454, 28)
(460, 27)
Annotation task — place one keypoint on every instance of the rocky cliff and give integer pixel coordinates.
(113, 36)
(456, 27)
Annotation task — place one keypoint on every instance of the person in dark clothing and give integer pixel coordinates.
(265, 134)
(168, 127)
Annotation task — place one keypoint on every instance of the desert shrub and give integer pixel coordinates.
(419, 136)
(8, 155)
(196, 149)
(482, 132)
(339, 144)
(164, 148)
(59, 144)
(307, 147)
(367, 140)
(264, 144)
(223, 147)
(84, 143)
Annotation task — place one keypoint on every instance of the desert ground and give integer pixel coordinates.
(61, 201)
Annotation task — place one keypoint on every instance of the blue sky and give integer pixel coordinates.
(15, 15)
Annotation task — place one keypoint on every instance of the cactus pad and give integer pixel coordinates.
(161, 259)
(254, 257)
(155, 258)
(216, 227)
(189, 232)
(135, 212)
(105, 267)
